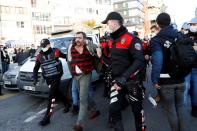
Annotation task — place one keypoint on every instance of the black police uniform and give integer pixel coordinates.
(52, 71)
(127, 59)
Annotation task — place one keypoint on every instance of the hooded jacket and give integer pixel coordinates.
(159, 75)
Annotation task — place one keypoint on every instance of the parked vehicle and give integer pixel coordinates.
(25, 78)
(11, 75)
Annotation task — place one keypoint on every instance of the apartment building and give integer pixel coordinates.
(32, 20)
(132, 12)
(155, 7)
(15, 23)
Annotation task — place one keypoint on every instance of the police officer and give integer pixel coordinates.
(48, 60)
(127, 59)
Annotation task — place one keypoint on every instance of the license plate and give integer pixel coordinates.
(31, 88)
(7, 82)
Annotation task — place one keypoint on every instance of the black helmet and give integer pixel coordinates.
(44, 43)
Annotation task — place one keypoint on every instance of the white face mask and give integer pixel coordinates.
(185, 32)
(193, 29)
(110, 31)
(45, 49)
(153, 34)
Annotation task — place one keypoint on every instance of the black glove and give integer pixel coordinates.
(35, 82)
(120, 81)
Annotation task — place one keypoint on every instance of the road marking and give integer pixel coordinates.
(29, 119)
(5, 96)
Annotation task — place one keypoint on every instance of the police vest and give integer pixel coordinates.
(50, 65)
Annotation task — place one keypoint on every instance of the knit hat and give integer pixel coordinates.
(163, 19)
(193, 21)
(113, 16)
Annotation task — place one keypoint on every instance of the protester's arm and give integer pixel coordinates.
(157, 62)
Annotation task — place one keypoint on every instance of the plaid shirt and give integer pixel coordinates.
(84, 61)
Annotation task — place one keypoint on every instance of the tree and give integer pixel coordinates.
(89, 23)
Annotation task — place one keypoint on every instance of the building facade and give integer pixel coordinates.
(15, 22)
(155, 7)
(132, 12)
(32, 20)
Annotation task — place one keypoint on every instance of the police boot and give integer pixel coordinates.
(0, 91)
(66, 108)
(194, 111)
(75, 109)
(45, 121)
(118, 126)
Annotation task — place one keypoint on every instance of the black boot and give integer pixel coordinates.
(118, 126)
(194, 111)
(45, 121)
(75, 109)
(1, 91)
(66, 108)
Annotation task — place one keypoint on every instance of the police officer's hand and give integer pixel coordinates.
(117, 87)
(35, 82)
(157, 86)
(120, 81)
(195, 47)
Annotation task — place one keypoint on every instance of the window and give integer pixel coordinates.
(124, 12)
(134, 12)
(20, 24)
(33, 3)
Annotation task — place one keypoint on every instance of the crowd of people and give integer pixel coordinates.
(18, 56)
(124, 58)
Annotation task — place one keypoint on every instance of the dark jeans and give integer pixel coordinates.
(117, 99)
(55, 92)
(172, 98)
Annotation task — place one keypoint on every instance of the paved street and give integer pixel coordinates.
(20, 112)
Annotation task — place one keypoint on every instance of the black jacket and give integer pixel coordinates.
(126, 53)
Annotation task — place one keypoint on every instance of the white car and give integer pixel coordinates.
(11, 75)
(25, 78)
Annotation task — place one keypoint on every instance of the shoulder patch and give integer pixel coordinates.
(123, 40)
(138, 46)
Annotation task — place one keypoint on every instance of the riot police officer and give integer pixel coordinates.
(48, 60)
(127, 59)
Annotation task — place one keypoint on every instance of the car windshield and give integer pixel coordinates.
(61, 43)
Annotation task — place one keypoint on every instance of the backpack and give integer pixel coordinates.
(179, 57)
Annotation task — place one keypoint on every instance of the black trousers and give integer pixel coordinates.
(0, 89)
(54, 93)
(117, 99)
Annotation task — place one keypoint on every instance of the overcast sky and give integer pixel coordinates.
(181, 10)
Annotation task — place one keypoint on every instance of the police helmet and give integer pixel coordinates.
(44, 43)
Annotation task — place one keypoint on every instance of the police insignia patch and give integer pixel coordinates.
(138, 46)
(123, 40)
